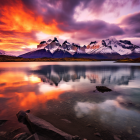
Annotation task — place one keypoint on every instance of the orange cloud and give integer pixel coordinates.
(20, 26)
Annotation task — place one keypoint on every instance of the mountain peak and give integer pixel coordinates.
(55, 40)
(42, 42)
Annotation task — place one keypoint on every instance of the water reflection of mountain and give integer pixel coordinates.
(117, 75)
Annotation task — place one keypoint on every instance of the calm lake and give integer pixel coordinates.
(65, 94)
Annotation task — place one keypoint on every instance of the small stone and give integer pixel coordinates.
(76, 138)
(2, 133)
(15, 130)
(138, 135)
(65, 120)
(116, 138)
(130, 103)
(89, 125)
(33, 137)
(103, 89)
(97, 134)
(21, 136)
(129, 130)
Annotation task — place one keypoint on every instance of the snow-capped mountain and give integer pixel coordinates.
(53, 45)
(108, 48)
(111, 45)
(82, 50)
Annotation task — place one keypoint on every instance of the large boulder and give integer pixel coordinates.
(43, 128)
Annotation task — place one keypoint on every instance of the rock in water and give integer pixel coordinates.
(43, 128)
(103, 89)
(2, 122)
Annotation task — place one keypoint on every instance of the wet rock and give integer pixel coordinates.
(27, 111)
(97, 134)
(137, 105)
(21, 115)
(103, 89)
(116, 138)
(138, 135)
(2, 122)
(2, 133)
(15, 130)
(33, 137)
(43, 128)
(21, 136)
(129, 130)
(67, 121)
(89, 125)
(76, 138)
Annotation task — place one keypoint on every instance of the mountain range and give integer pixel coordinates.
(104, 49)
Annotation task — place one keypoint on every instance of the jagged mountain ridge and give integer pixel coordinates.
(104, 49)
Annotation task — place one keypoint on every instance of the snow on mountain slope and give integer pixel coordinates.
(82, 50)
(98, 47)
(42, 45)
(118, 46)
(73, 49)
(70, 48)
(137, 50)
(65, 46)
(53, 46)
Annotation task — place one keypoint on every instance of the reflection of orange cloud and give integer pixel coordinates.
(24, 99)
(19, 24)
(17, 79)
(12, 77)
(28, 100)
(1, 95)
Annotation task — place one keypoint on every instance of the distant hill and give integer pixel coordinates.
(136, 60)
(6, 58)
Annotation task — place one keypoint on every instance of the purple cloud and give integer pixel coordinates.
(131, 24)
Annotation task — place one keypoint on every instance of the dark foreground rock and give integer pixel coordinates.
(43, 128)
(2, 122)
(103, 89)
(21, 136)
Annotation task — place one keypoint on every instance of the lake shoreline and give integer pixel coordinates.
(4, 58)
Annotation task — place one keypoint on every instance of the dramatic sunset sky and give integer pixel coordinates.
(24, 23)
